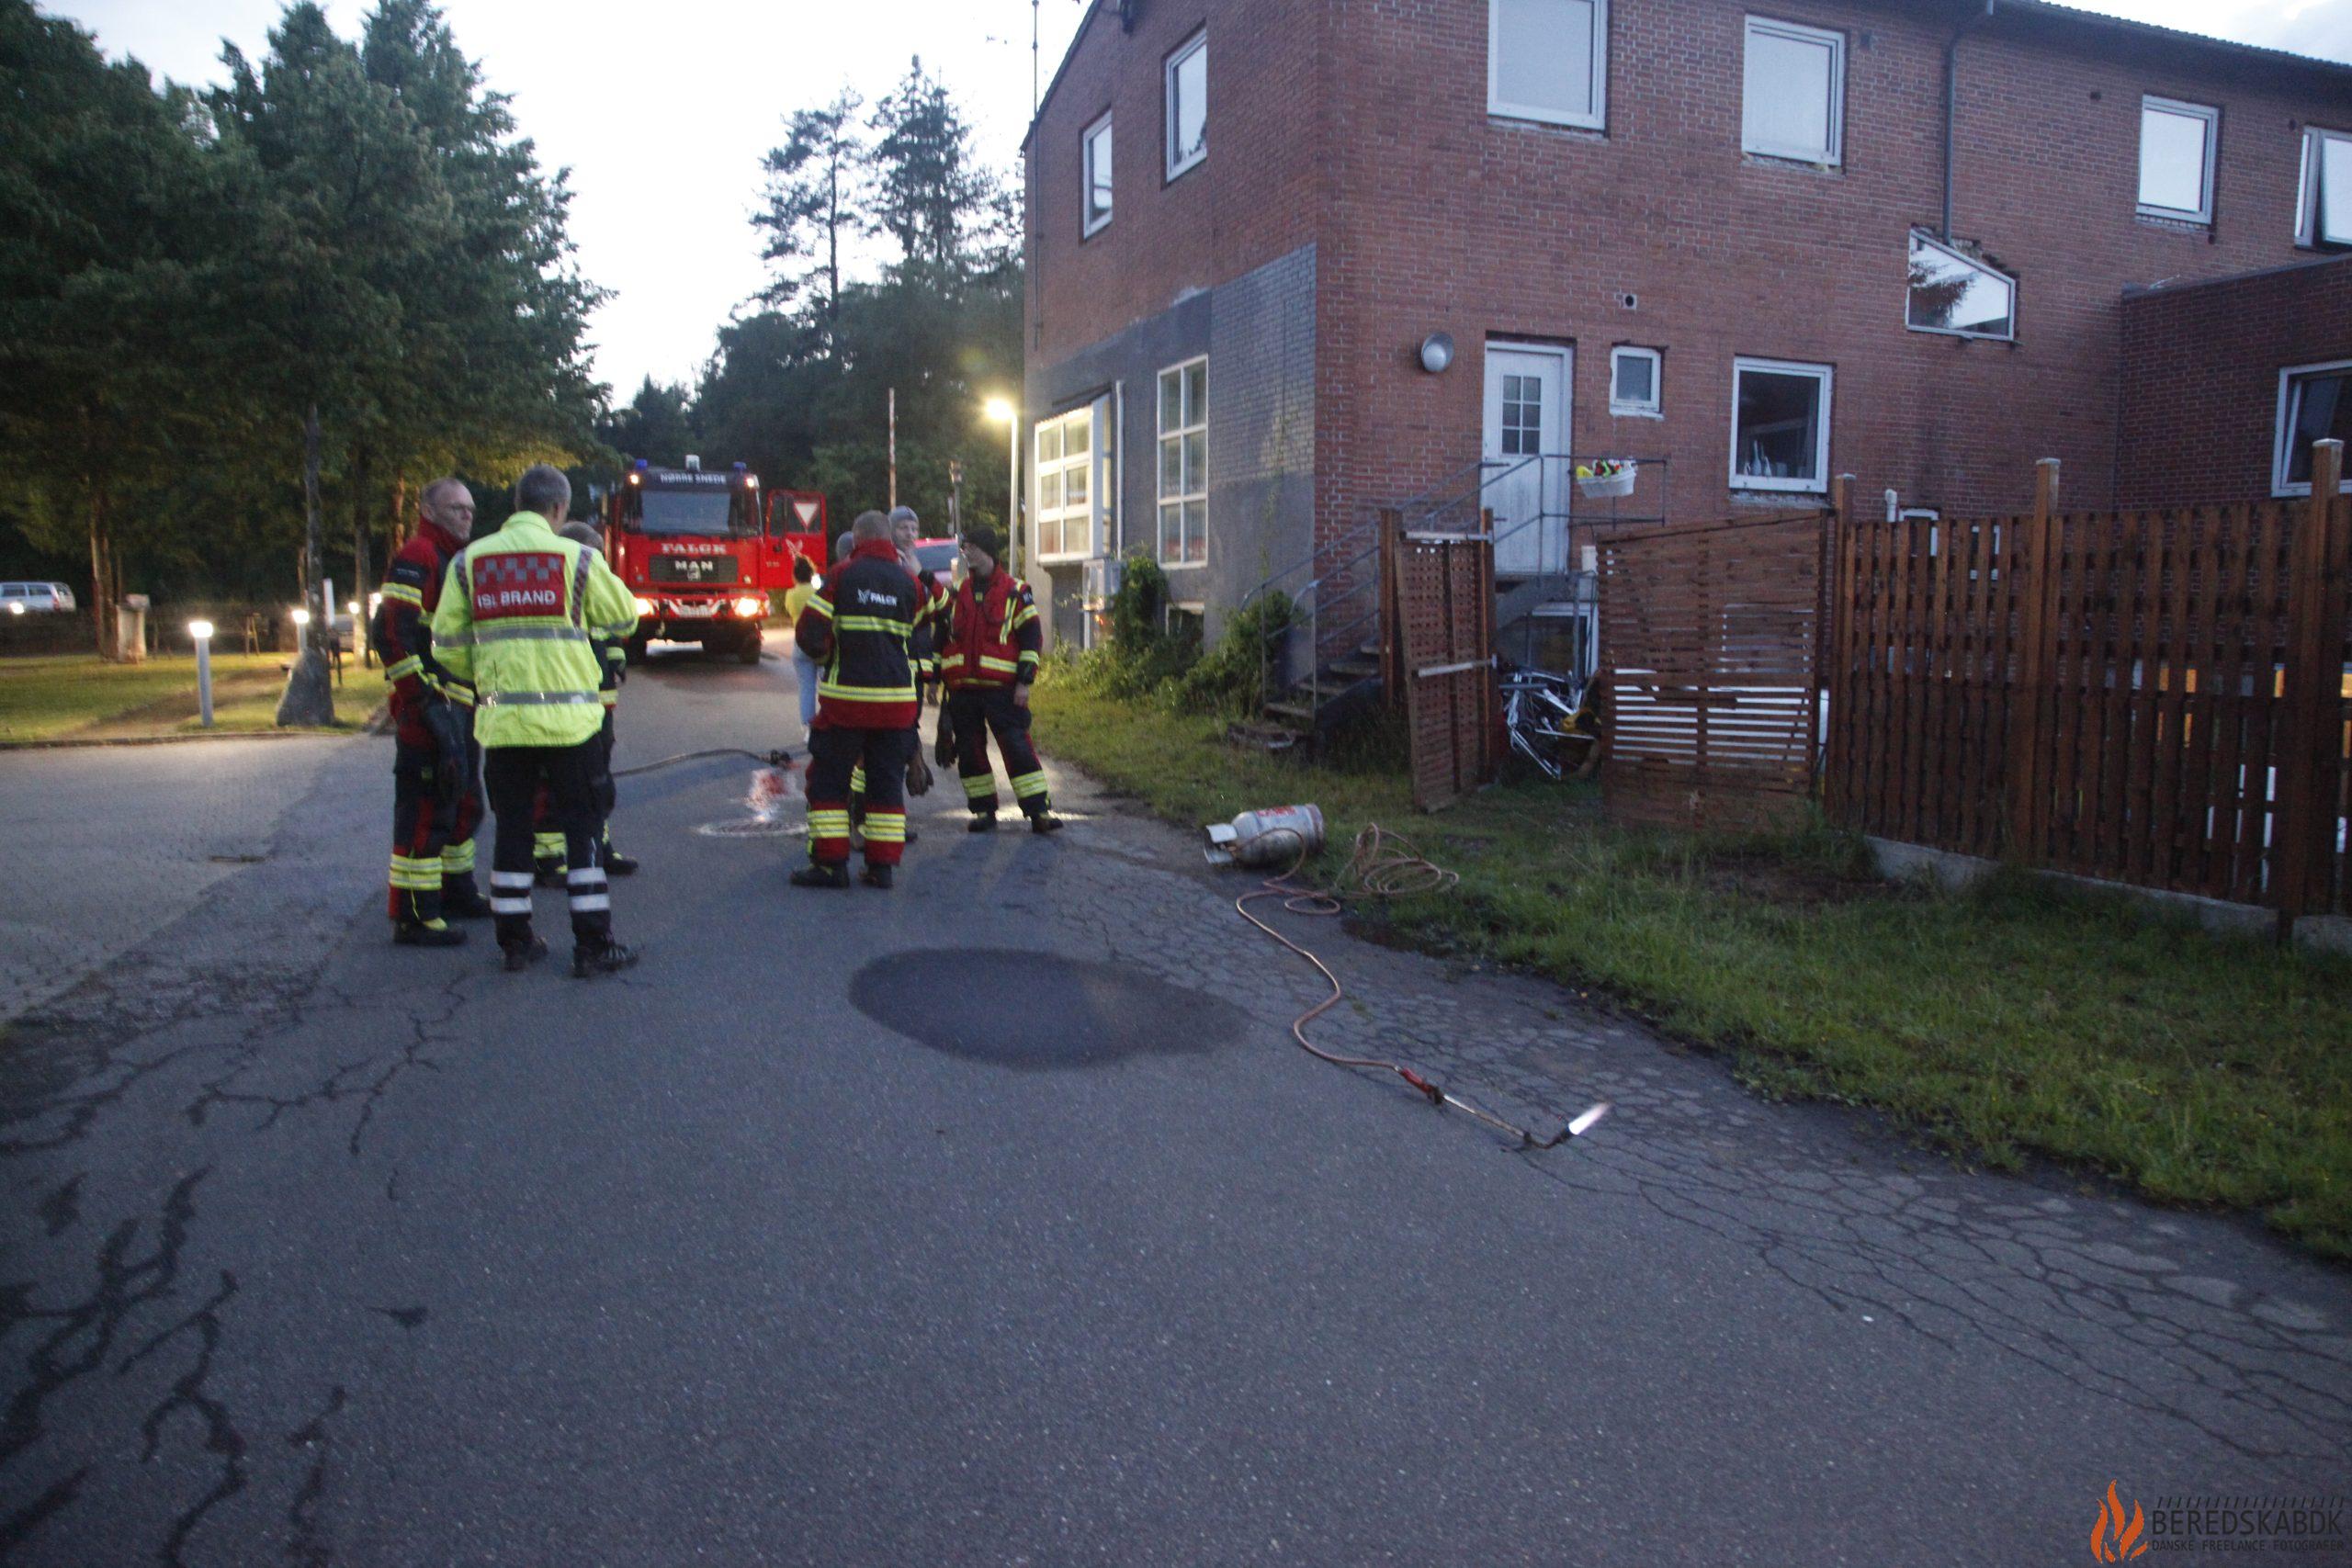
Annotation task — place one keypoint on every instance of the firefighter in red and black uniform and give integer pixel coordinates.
(859, 628)
(436, 799)
(989, 657)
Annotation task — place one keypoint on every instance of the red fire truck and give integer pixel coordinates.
(694, 546)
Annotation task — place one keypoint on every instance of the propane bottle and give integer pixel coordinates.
(1280, 836)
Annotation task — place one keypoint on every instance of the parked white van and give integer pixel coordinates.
(34, 598)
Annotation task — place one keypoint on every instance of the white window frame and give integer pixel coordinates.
(1921, 237)
(1197, 44)
(1062, 515)
(1835, 156)
(1825, 374)
(1091, 223)
(1626, 409)
(2310, 185)
(1164, 435)
(2280, 428)
(1598, 120)
(2212, 116)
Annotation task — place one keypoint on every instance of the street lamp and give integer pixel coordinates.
(1001, 411)
(301, 633)
(201, 632)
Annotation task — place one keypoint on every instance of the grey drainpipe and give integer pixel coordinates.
(1951, 97)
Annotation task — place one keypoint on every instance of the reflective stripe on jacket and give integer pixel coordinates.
(860, 629)
(993, 637)
(403, 632)
(520, 617)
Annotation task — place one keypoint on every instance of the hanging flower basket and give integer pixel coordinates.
(1606, 478)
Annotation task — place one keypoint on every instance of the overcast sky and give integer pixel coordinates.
(663, 109)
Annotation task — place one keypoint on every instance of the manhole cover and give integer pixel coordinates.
(1035, 1012)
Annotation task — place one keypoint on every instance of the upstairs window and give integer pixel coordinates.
(1185, 464)
(1188, 106)
(1951, 293)
(2177, 159)
(1095, 173)
(1064, 489)
(1548, 60)
(1779, 426)
(1634, 375)
(2314, 404)
(1792, 94)
(2324, 195)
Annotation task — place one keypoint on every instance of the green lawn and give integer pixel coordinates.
(80, 697)
(2017, 1021)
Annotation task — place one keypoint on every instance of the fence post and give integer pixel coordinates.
(2030, 714)
(1833, 658)
(2314, 684)
(1392, 641)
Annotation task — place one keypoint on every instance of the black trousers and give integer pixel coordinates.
(833, 755)
(433, 831)
(513, 776)
(974, 713)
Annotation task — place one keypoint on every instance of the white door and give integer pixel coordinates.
(1527, 422)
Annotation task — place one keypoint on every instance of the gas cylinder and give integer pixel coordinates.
(1279, 836)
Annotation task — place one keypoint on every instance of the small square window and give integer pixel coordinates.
(1188, 106)
(1779, 426)
(1634, 382)
(2177, 159)
(1548, 60)
(1095, 200)
(1793, 94)
(1951, 293)
(2324, 194)
(2314, 404)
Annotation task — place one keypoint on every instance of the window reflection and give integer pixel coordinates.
(1950, 293)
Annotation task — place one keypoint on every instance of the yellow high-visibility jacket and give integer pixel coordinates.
(517, 614)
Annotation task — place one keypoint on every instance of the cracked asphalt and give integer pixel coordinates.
(996, 1220)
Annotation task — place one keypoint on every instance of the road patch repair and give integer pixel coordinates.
(1073, 1014)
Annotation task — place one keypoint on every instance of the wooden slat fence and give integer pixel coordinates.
(1708, 635)
(1442, 611)
(2152, 698)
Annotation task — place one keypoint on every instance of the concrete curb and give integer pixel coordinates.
(377, 723)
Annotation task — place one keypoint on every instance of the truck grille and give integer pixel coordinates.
(715, 570)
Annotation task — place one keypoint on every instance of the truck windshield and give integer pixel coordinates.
(709, 513)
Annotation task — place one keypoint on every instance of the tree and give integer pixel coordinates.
(929, 194)
(656, 426)
(816, 190)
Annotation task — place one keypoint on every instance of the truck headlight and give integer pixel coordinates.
(748, 607)
(644, 608)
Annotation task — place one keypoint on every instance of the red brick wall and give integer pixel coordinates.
(1252, 199)
(2200, 379)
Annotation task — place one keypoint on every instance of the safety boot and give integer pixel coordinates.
(618, 864)
(547, 873)
(427, 933)
(605, 958)
(463, 901)
(878, 876)
(821, 877)
(983, 822)
(521, 955)
(1045, 822)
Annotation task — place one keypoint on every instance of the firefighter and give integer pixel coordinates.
(547, 840)
(906, 527)
(437, 802)
(859, 628)
(989, 657)
(517, 617)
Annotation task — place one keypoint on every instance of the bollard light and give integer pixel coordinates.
(301, 633)
(201, 633)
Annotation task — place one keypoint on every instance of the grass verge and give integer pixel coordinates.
(83, 697)
(2017, 1020)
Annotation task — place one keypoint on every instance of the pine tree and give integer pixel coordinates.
(817, 190)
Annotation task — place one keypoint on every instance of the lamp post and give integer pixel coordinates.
(358, 637)
(201, 632)
(1001, 409)
(301, 633)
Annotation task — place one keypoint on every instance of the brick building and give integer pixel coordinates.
(1750, 246)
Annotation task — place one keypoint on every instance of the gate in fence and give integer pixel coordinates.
(2161, 698)
(1438, 652)
(1709, 637)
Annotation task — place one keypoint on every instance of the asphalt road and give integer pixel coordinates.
(996, 1220)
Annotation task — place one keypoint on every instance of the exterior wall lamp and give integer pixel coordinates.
(1437, 353)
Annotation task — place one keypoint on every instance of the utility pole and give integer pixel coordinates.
(894, 448)
(956, 496)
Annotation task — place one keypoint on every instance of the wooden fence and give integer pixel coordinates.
(1709, 634)
(2153, 697)
(1438, 634)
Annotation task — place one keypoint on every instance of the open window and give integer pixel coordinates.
(1792, 92)
(1548, 60)
(2323, 194)
(2314, 404)
(1094, 199)
(1779, 426)
(2176, 145)
(1634, 377)
(1958, 293)
(1188, 104)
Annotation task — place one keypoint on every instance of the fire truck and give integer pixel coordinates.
(696, 547)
